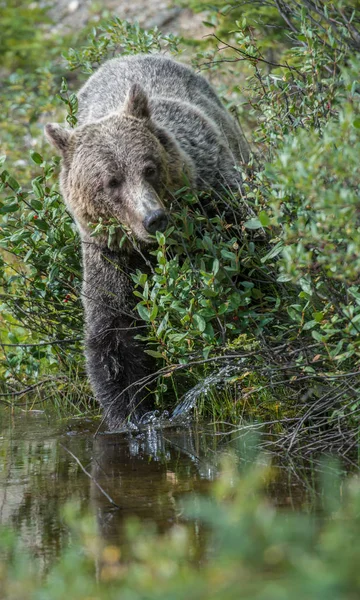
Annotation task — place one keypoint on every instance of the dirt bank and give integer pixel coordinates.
(167, 16)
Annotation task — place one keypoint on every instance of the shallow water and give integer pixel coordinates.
(145, 474)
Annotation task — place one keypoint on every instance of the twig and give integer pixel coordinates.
(90, 476)
(53, 343)
(32, 387)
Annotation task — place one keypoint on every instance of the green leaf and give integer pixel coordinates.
(36, 157)
(41, 224)
(36, 204)
(284, 277)
(264, 218)
(37, 188)
(177, 337)
(160, 238)
(216, 266)
(142, 279)
(293, 314)
(305, 285)
(228, 255)
(123, 240)
(143, 312)
(273, 252)
(209, 293)
(154, 312)
(73, 101)
(309, 325)
(199, 322)
(154, 353)
(223, 308)
(162, 325)
(317, 336)
(13, 184)
(253, 224)
(8, 208)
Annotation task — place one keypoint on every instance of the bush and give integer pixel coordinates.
(307, 201)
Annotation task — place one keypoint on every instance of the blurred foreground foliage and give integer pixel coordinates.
(274, 296)
(250, 550)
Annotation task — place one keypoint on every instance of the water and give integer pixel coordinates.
(43, 465)
(190, 398)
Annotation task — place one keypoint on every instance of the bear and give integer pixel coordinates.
(145, 124)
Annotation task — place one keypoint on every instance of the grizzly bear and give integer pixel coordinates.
(145, 125)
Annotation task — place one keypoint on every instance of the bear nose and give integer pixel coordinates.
(156, 221)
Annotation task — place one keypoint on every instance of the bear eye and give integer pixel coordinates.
(113, 182)
(150, 172)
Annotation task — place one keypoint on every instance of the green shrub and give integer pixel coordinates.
(201, 296)
(115, 37)
(22, 28)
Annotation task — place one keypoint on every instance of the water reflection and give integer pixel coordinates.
(145, 474)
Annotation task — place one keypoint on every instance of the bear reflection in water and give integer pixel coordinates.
(145, 475)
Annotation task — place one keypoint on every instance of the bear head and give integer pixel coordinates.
(122, 167)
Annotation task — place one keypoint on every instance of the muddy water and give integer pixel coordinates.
(42, 467)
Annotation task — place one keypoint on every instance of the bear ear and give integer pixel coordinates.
(58, 136)
(136, 103)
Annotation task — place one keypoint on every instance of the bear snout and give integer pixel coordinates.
(156, 221)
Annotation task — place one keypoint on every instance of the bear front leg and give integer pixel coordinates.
(116, 362)
(118, 369)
